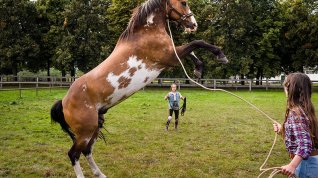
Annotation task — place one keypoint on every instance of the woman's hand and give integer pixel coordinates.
(288, 170)
(277, 127)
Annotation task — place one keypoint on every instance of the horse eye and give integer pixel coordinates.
(184, 3)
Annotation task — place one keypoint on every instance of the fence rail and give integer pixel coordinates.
(36, 83)
(219, 83)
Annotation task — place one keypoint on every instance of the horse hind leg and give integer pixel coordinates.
(89, 156)
(84, 146)
(74, 155)
(88, 151)
(81, 144)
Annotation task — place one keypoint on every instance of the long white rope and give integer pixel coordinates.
(275, 170)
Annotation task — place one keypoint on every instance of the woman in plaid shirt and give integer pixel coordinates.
(300, 129)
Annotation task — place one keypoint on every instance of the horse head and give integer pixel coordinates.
(179, 11)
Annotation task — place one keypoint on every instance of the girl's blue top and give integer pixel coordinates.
(174, 102)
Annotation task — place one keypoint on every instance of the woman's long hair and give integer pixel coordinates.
(299, 89)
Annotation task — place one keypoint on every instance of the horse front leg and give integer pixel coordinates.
(190, 47)
(198, 65)
(187, 50)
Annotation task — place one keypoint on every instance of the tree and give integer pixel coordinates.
(50, 23)
(209, 17)
(18, 47)
(250, 39)
(299, 36)
(85, 35)
(118, 16)
(261, 38)
(268, 23)
(235, 32)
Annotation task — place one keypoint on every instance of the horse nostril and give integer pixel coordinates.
(192, 26)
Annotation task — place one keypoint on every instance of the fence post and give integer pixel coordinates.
(179, 84)
(51, 83)
(1, 79)
(37, 86)
(251, 81)
(54, 81)
(20, 89)
(267, 84)
(214, 83)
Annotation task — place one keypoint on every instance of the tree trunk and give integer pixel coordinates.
(262, 76)
(242, 82)
(14, 70)
(63, 75)
(261, 80)
(258, 75)
(73, 69)
(73, 72)
(48, 69)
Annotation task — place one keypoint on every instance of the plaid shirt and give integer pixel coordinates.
(297, 136)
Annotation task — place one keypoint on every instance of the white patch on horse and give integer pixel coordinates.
(87, 105)
(150, 19)
(78, 170)
(192, 19)
(98, 106)
(87, 140)
(193, 54)
(141, 77)
(84, 87)
(94, 167)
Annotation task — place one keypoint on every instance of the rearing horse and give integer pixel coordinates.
(142, 52)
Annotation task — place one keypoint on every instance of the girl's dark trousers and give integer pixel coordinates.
(176, 115)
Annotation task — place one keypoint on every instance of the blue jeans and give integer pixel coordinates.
(308, 168)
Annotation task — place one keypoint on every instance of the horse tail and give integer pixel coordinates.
(57, 115)
(184, 106)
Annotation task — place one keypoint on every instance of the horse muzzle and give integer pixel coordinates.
(191, 27)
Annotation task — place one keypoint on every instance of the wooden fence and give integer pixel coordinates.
(35, 83)
(9, 83)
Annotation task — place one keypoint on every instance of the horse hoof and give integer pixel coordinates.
(197, 73)
(102, 176)
(222, 60)
(99, 174)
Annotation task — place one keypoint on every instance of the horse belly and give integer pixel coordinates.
(135, 77)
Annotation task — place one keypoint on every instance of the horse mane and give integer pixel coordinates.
(140, 15)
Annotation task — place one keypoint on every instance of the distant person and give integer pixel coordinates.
(173, 98)
(300, 128)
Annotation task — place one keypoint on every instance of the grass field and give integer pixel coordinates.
(219, 136)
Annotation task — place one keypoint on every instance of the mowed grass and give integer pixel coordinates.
(219, 136)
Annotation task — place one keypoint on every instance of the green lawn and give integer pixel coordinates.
(220, 136)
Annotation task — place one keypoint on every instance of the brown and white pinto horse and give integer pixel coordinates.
(142, 52)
